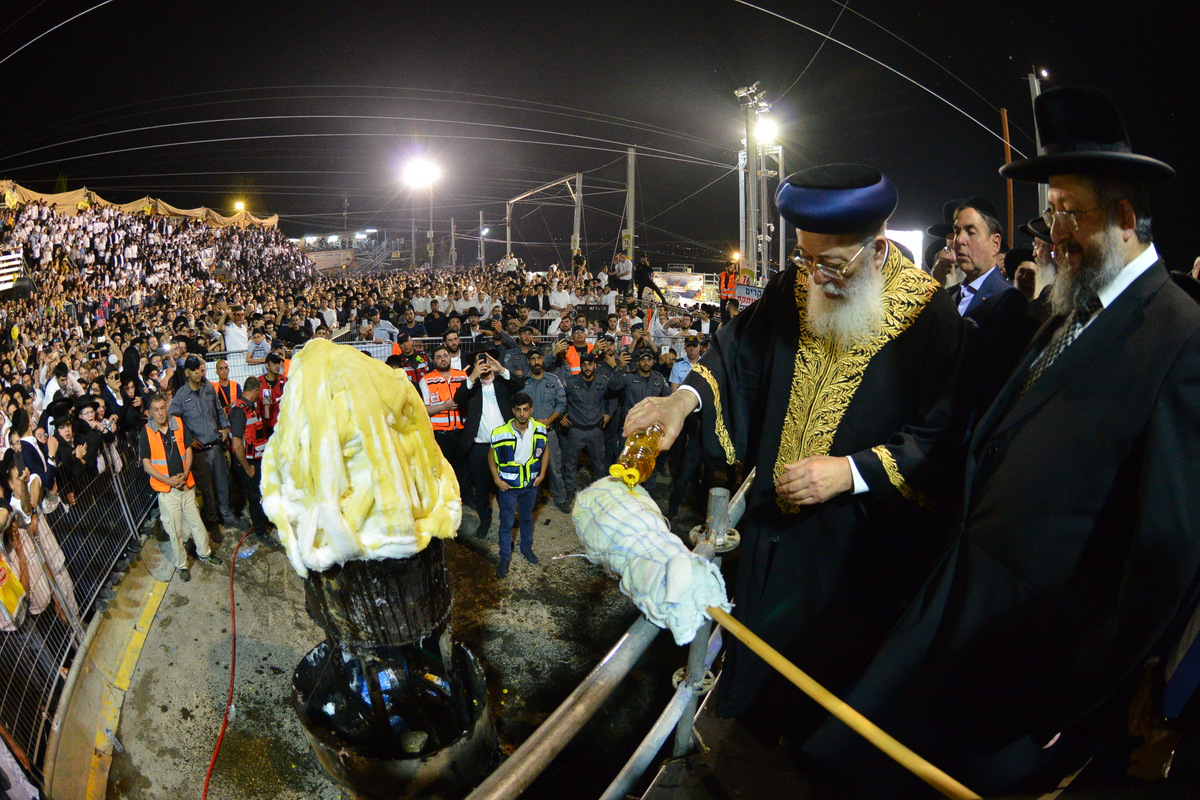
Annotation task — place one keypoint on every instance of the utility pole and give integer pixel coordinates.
(627, 237)
(576, 242)
(429, 233)
(482, 229)
(345, 208)
(453, 249)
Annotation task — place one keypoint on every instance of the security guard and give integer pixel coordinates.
(168, 462)
(518, 466)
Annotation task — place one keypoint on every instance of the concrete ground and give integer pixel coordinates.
(539, 632)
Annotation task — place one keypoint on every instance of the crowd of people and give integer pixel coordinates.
(135, 314)
(973, 494)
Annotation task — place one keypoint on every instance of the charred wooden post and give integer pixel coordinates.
(392, 707)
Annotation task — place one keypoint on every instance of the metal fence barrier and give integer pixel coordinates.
(78, 545)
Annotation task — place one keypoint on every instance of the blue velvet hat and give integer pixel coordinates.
(836, 199)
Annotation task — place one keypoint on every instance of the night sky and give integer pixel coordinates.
(294, 105)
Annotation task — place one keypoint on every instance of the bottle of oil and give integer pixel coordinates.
(636, 461)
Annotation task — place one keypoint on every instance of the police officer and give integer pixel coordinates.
(549, 404)
(589, 410)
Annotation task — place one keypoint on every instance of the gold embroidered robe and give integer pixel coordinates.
(824, 583)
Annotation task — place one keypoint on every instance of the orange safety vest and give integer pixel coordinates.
(158, 453)
(254, 438)
(571, 356)
(227, 400)
(441, 390)
(729, 282)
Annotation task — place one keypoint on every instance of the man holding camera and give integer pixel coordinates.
(488, 389)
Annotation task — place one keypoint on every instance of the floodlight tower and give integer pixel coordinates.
(421, 173)
(753, 103)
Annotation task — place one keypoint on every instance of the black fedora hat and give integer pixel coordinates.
(1036, 229)
(946, 226)
(1082, 132)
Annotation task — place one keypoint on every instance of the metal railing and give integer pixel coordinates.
(78, 546)
(537, 752)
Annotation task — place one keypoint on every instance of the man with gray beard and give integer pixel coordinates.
(837, 387)
(1076, 568)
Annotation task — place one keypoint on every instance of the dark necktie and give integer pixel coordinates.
(1067, 334)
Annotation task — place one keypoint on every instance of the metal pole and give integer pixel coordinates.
(742, 204)
(414, 230)
(429, 233)
(737, 503)
(782, 222)
(641, 759)
(716, 525)
(576, 241)
(453, 249)
(507, 228)
(764, 216)
(532, 757)
(482, 253)
(629, 178)
(751, 254)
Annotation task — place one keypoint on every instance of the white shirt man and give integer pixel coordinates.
(237, 337)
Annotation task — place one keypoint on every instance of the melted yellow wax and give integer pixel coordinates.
(352, 470)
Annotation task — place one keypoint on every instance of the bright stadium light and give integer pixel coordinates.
(484, 232)
(737, 256)
(239, 206)
(766, 130)
(420, 173)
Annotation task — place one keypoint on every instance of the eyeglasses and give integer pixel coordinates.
(1067, 219)
(803, 259)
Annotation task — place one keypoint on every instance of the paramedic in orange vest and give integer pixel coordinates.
(169, 464)
(248, 440)
(729, 281)
(227, 391)
(566, 356)
(437, 390)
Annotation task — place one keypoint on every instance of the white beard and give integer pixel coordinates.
(850, 313)
(1097, 269)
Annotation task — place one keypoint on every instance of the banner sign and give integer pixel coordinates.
(747, 294)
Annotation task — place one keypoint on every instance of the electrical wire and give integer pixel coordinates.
(874, 60)
(817, 52)
(232, 663)
(52, 30)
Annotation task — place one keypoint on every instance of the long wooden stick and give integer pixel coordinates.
(856, 721)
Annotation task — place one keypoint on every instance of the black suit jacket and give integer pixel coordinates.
(470, 398)
(999, 330)
(1077, 558)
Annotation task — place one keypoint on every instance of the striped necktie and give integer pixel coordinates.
(1067, 334)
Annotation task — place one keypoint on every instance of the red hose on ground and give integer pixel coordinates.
(232, 661)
